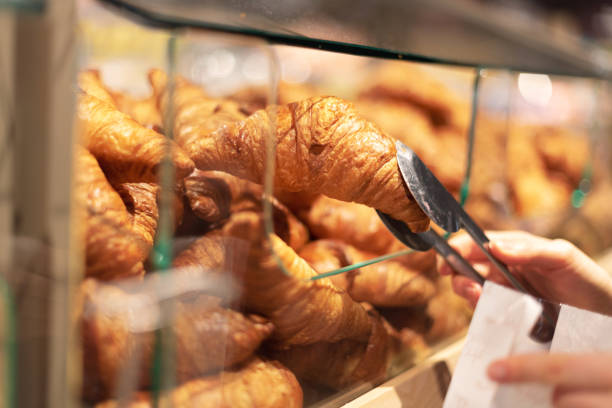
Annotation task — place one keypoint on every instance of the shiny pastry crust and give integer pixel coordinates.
(214, 195)
(89, 81)
(322, 146)
(383, 284)
(341, 364)
(112, 249)
(207, 337)
(258, 384)
(355, 224)
(125, 149)
(302, 311)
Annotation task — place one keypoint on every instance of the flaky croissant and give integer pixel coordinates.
(322, 146)
(112, 248)
(353, 223)
(214, 195)
(384, 284)
(142, 110)
(141, 202)
(409, 84)
(126, 150)
(444, 315)
(341, 364)
(90, 82)
(302, 311)
(207, 337)
(257, 384)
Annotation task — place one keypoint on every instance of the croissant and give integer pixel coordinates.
(207, 337)
(141, 202)
(341, 364)
(322, 146)
(142, 110)
(214, 195)
(112, 248)
(534, 191)
(253, 98)
(258, 384)
(445, 314)
(126, 150)
(90, 82)
(408, 84)
(353, 223)
(384, 284)
(302, 311)
(442, 151)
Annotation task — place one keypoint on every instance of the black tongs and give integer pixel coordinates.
(442, 208)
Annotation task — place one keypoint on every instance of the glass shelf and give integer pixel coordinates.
(439, 31)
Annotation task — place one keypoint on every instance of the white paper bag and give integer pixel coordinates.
(500, 327)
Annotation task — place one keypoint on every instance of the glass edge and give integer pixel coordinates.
(154, 19)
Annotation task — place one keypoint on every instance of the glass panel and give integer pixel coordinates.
(240, 225)
(466, 33)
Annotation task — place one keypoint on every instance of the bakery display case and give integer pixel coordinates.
(227, 162)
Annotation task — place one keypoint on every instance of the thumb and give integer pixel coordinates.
(529, 250)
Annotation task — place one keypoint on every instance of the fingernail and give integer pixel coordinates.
(498, 371)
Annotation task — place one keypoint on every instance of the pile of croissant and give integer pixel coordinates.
(279, 329)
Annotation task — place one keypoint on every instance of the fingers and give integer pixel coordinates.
(522, 249)
(467, 288)
(567, 370)
(581, 398)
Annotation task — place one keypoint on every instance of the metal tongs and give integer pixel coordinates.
(442, 208)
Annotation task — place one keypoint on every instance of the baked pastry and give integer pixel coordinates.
(127, 151)
(254, 98)
(322, 146)
(89, 81)
(112, 248)
(257, 384)
(214, 195)
(533, 190)
(384, 284)
(140, 200)
(409, 84)
(142, 110)
(341, 364)
(302, 311)
(355, 224)
(444, 315)
(118, 337)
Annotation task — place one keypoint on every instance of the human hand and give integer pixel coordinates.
(579, 380)
(555, 269)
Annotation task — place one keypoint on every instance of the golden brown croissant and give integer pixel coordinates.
(253, 98)
(257, 384)
(90, 82)
(563, 152)
(442, 151)
(322, 146)
(384, 284)
(445, 314)
(533, 189)
(214, 195)
(347, 362)
(353, 223)
(407, 83)
(207, 337)
(112, 249)
(302, 311)
(126, 150)
(198, 110)
(142, 110)
(141, 202)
